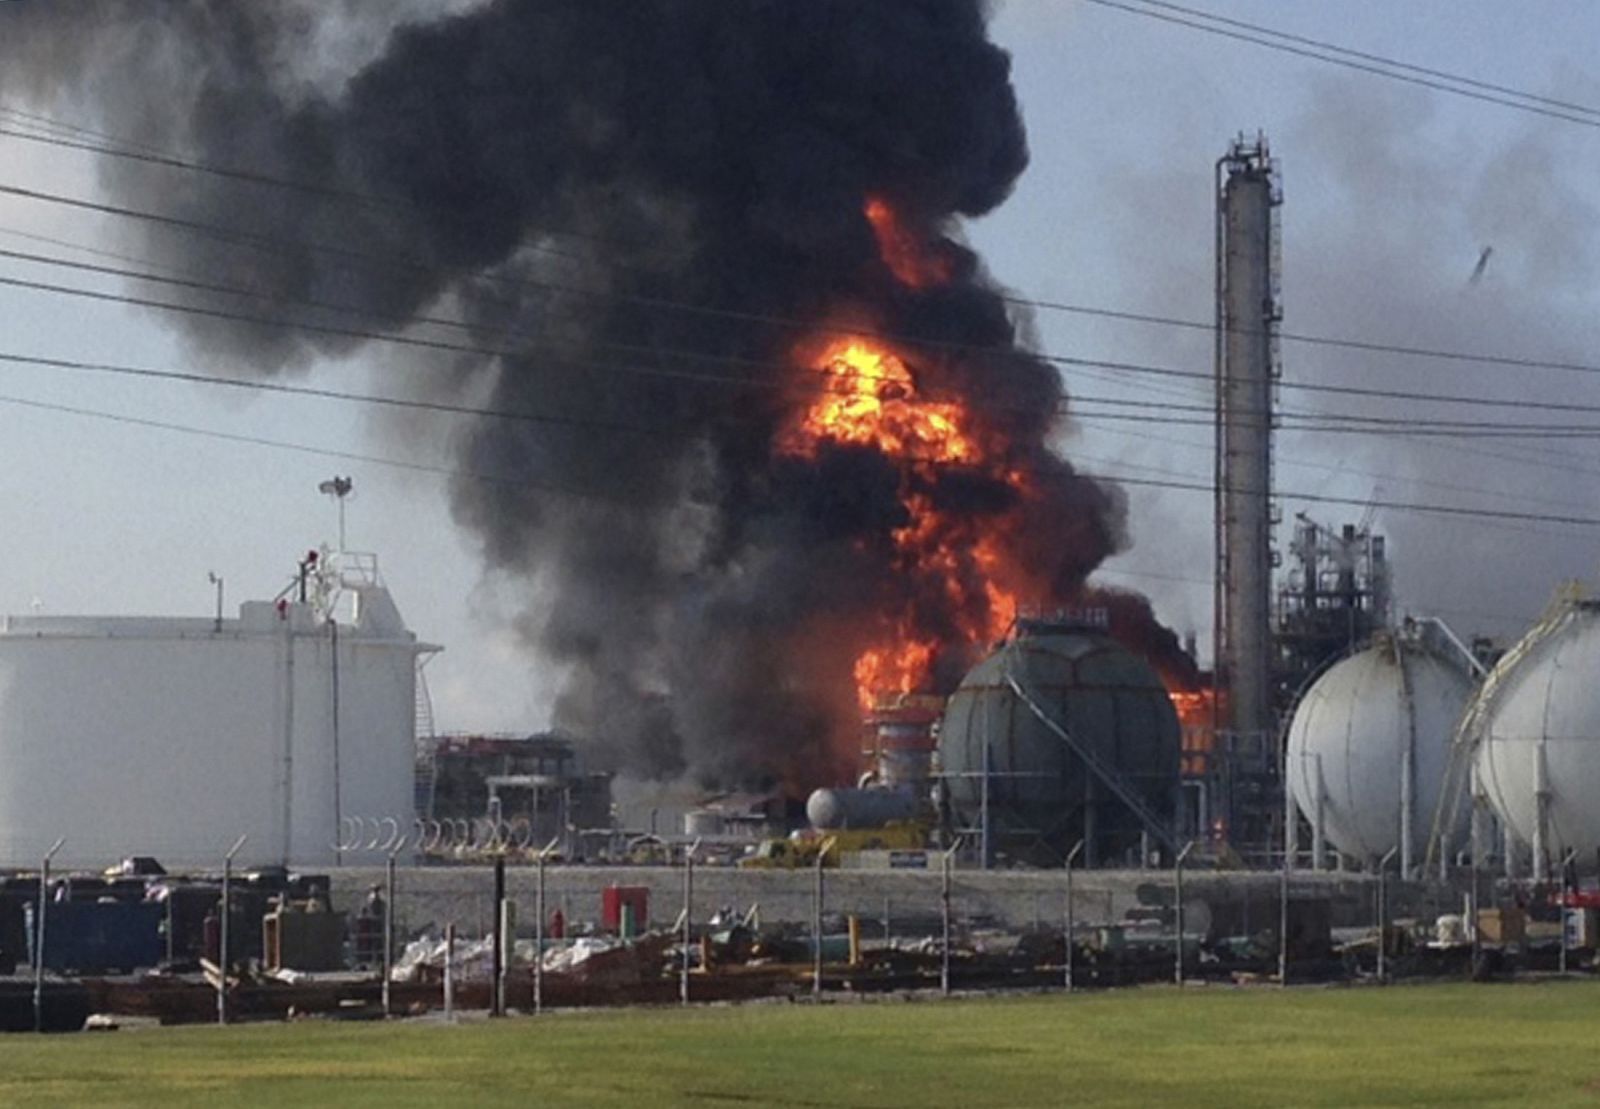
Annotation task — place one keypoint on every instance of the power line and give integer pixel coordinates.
(1471, 82)
(1301, 422)
(657, 351)
(279, 387)
(279, 245)
(1410, 78)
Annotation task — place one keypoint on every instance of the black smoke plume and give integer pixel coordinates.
(565, 176)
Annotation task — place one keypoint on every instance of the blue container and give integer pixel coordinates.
(96, 937)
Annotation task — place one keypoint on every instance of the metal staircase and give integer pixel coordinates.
(425, 742)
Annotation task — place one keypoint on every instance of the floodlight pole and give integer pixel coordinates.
(38, 937)
(339, 488)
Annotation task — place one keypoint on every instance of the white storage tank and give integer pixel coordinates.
(1536, 730)
(1369, 744)
(172, 737)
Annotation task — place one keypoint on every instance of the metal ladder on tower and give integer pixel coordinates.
(425, 775)
(1108, 774)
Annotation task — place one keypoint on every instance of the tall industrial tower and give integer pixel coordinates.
(1247, 370)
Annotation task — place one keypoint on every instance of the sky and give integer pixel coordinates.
(1391, 193)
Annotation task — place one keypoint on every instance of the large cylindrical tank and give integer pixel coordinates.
(1041, 796)
(1537, 727)
(1371, 723)
(172, 737)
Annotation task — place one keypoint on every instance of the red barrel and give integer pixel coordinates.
(613, 898)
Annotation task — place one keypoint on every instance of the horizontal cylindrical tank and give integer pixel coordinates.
(173, 737)
(1537, 727)
(1373, 726)
(1004, 764)
(832, 809)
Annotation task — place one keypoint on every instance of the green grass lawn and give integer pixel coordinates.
(1408, 1045)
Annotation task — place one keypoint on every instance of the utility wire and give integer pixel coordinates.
(1350, 61)
(1393, 63)
(408, 320)
(279, 387)
(1304, 422)
(278, 245)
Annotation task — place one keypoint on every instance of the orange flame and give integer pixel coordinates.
(907, 256)
(1196, 709)
(870, 399)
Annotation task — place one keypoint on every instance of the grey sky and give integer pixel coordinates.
(1391, 193)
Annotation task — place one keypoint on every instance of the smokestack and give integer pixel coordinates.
(1248, 312)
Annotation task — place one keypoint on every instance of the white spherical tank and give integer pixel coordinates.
(172, 737)
(1537, 732)
(1372, 723)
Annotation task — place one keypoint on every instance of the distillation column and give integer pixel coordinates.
(1246, 374)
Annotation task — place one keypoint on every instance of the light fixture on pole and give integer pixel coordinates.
(338, 488)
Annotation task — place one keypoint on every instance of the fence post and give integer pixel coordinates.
(688, 918)
(1067, 917)
(450, 972)
(388, 926)
(1566, 890)
(816, 921)
(1177, 875)
(222, 929)
(38, 935)
(1383, 913)
(944, 912)
(497, 997)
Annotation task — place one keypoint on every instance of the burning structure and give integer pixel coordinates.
(737, 404)
(755, 427)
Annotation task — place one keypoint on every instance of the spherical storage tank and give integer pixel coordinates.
(1372, 726)
(1536, 726)
(1041, 795)
(172, 737)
